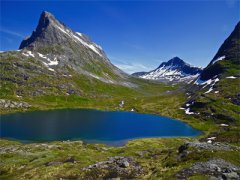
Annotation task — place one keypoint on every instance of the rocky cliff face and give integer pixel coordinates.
(229, 52)
(215, 94)
(51, 32)
(173, 70)
(60, 48)
(55, 60)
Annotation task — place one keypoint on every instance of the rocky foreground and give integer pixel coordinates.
(175, 158)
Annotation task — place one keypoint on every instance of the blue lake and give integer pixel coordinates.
(91, 126)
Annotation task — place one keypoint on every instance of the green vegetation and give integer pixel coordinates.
(158, 157)
(30, 81)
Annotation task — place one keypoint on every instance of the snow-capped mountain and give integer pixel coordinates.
(51, 31)
(173, 70)
(63, 50)
(57, 60)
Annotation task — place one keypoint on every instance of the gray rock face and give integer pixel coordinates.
(51, 31)
(229, 51)
(211, 146)
(121, 166)
(63, 50)
(215, 167)
(57, 163)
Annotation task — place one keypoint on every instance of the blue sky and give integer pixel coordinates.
(136, 35)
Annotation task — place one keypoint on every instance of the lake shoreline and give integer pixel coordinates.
(158, 126)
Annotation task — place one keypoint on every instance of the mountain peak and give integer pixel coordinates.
(46, 14)
(53, 34)
(176, 60)
(46, 18)
(46, 32)
(173, 70)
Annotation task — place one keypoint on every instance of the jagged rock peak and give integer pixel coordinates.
(45, 19)
(52, 34)
(47, 30)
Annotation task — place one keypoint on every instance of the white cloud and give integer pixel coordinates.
(132, 67)
(11, 32)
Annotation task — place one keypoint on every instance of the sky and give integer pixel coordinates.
(136, 35)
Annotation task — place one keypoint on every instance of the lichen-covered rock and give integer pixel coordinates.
(13, 104)
(215, 167)
(211, 146)
(117, 166)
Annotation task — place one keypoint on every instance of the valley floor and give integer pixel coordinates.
(154, 158)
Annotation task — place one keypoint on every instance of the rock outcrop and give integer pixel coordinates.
(215, 167)
(118, 166)
(13, 104)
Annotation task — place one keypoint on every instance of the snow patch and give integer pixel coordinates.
(187, 111)
(212, 83)
(50, 62)
(210, 89)
(224, 125)
(231, 77)
(28, 53)
(50, 69)
(91, 46)
(122, 103)
(54, 62)
(80, 34)
(65, 75)
(218, 59)
(94, 76)
(211, 138)
(201, 82)
(170, 73)
(209, 141)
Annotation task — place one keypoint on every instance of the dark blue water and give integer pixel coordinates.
(92, 126)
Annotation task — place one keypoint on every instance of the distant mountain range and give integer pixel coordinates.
(173, 70)
(55, 61)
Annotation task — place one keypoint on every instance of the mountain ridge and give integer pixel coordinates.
(58, 46)
(229, 50)
(215, 93)
(173, 70)
(57, 61)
